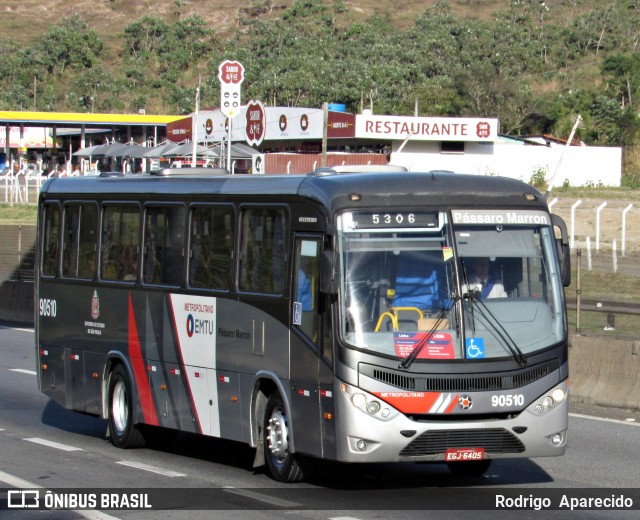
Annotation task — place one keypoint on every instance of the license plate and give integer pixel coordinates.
(460, 454)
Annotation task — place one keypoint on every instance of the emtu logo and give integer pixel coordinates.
(191, 325)
(199, 326)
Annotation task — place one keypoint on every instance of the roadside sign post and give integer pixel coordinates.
(231, 76)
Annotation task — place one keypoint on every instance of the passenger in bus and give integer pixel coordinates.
(481, 274)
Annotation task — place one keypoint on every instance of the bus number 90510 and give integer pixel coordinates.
(48, 307)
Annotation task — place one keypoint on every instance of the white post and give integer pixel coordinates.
(598, 210)
(229, 148)
(573, 221)
(614, 248)
(589, 253)
(552, 203)
(623, 247)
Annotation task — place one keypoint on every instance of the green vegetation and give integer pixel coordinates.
(18, 214)
(532, 65)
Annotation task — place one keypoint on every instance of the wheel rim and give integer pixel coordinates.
(278, 435)
(119, 407)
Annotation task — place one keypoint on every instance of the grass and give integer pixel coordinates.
(18, 214)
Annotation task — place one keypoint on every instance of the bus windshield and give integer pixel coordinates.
(450, 289)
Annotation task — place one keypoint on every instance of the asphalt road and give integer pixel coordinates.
(42, 445)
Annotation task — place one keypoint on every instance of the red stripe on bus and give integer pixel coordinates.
(140, 371)
(452, 405)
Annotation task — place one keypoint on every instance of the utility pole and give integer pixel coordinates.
(325, 124)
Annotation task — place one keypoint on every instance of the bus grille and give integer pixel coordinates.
(493, 440)
(459, 382)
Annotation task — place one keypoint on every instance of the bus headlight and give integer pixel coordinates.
(358, 400)
(368, 404)
(373, 407)
(549, 401)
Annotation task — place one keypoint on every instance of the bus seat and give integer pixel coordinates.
(416, 283)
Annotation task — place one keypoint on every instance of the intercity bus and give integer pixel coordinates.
(322, 316)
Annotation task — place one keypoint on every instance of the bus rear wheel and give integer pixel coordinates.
(474, 468)
(122, 431)
(282, 464)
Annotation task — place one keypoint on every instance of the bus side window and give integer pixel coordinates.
(211, 254)
(305, 291)
(50, 240)
(263, 251)
(164, 245)
(120, 237)
(79, 248)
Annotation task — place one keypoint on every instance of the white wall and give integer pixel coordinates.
(580, 165)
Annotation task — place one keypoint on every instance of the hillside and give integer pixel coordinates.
(24, 20)
(533, 65)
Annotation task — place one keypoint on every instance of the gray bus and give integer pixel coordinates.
(355, 317)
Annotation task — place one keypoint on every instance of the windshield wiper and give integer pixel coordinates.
(408, 361)
(473, 295)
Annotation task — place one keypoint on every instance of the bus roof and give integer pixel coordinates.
(334, 191)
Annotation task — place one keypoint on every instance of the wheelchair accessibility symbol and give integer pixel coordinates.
(475, 348)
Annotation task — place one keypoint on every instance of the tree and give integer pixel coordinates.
(70, 44)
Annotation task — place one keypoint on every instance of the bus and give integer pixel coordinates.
(331, 315)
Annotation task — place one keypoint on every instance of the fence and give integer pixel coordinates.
(604, 296)
(21, 189)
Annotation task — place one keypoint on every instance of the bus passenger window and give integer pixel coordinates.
(211, 252)
(120, 236)
(50, 240)
(263, 251)
(79, 247)
(164, 245)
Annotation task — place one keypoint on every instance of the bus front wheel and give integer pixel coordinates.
(122, 431)
(282, 464)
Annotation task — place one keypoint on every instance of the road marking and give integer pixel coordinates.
(19, 483)
(152, 469)
(23, 371)
(628, 422)
(261, 498)
(51, 444)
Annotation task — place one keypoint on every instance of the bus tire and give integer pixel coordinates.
(473, 468)
(282, 464)
(122, 431)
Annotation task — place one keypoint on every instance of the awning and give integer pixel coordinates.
(238, 151)
(92, 151)
(125, 150)
(113, 150)
(186, 149)
(158, 151)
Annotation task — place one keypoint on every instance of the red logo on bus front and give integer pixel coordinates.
(463, 454)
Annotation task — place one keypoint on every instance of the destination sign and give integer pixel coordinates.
(501, 217)
(394, 219)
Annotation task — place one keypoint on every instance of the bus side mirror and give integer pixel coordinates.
(564, 252)
(327, 273)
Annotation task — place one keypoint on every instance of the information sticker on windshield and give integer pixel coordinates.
(438, 345)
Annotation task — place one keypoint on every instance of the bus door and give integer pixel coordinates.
(311, 375)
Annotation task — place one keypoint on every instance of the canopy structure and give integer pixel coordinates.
(112, 150)
(126, 150)
(158, 151)
(238, 151)
(186, 149)
(92, 151)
